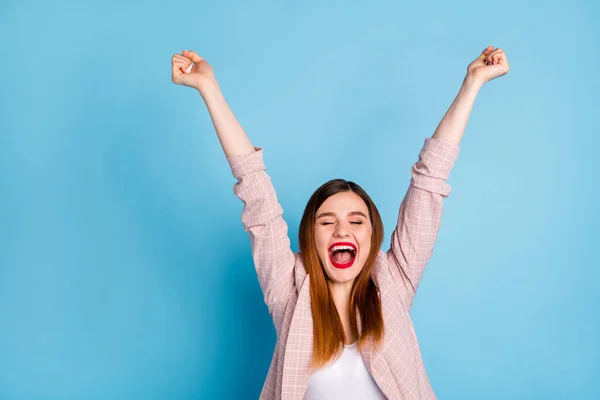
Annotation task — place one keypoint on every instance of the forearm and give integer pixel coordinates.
(232, 136)
(452, 127)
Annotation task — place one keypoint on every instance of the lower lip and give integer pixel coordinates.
(342, 266)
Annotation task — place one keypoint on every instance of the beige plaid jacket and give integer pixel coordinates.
(397, 367)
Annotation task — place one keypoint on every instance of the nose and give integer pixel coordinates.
(341, 231)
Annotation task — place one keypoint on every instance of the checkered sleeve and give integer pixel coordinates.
(262, 218)
(420, 216)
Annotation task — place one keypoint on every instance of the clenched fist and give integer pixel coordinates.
(189, 69)
(491, 64)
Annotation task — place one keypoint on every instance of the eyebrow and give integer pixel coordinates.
(330, 214)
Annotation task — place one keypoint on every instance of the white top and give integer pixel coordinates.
(345, 378)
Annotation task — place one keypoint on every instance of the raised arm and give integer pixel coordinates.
(262, 214)
(421, 209)
(420, 216)
(189, 69)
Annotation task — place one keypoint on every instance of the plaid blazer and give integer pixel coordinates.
(397, 366)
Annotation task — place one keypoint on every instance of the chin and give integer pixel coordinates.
(345, 275)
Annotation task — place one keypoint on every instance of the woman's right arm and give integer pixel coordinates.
(262, 216)
(189, 69)
(232, 137)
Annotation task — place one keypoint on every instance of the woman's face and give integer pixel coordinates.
(343, 236)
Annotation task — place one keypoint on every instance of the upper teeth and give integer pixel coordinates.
(336, 248)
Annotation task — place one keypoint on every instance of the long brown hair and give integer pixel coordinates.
(328, 332)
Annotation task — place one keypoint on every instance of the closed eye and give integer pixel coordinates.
(331, 223)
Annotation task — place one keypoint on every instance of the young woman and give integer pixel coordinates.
(341, 305)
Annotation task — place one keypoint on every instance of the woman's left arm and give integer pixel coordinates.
(421, 209)
(489, 65)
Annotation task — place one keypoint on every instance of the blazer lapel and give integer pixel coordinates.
(376, 365)
(373, 359)
(298, 350)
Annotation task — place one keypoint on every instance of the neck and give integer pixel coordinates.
(340, 292)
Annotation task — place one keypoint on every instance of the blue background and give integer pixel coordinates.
(124, 269)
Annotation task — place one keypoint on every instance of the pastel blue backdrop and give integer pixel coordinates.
(124, 269)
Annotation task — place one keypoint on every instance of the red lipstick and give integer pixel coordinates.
(348, 264)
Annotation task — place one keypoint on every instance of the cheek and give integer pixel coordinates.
(321, 240)
(318, 237)
(366, 242)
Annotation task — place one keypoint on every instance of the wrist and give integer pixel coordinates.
(473, 82)
(208, 86)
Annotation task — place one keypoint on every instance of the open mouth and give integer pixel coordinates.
(342, 255)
